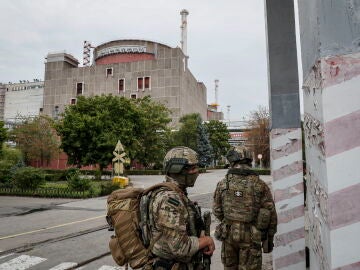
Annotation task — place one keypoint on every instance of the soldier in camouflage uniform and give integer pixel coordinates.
(244, 205)
(174, 218)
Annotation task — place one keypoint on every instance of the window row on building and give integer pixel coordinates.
(73, 100)
(143, 83)
(19, 88)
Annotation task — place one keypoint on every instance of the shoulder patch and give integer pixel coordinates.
(173, 201)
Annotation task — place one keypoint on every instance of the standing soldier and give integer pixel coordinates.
(175, 221)
(244, 205)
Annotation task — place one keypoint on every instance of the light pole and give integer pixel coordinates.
(260, 157)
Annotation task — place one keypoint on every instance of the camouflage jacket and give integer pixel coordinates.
(169, 214)
(227, 207)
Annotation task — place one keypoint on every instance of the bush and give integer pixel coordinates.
(107, 187)
(5, 176)
(10, 161)
(28, 178)
(75, 182)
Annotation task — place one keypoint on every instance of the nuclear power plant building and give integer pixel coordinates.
(132, 68)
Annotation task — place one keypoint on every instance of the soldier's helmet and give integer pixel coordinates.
(178, 158)
(239, 154)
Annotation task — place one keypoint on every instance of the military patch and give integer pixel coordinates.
(238, 193)
(173, 201)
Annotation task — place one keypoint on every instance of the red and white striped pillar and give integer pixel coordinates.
(332, 137)
(285, 136)
(330, 42)
(288, 186)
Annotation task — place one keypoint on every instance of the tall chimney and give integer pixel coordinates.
(216, 93)
(183, 27)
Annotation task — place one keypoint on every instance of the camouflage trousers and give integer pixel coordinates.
(236, 256)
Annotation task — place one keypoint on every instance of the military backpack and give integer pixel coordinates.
(127, 212)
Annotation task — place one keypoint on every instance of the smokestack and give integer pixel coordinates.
(228, 114)
(183, 27)
(216, 93)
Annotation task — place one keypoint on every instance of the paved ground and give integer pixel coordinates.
(72, 231)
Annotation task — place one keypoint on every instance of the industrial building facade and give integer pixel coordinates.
(129, 68)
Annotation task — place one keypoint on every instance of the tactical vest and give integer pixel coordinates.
(239, 202)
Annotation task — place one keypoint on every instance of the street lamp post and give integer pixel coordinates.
(260, 157)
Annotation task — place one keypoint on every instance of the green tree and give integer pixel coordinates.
(37, 139)
(204, 147)
(3, 135)
(152, 138)
(90, 129)
(188, 132)
(219, 138)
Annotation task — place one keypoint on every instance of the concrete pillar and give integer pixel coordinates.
(330, 41)
(285, 137)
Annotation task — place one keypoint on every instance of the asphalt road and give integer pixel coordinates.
(60, 234)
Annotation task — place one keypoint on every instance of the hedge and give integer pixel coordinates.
(46, 192)
(93, 172)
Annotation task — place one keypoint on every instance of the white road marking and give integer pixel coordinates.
(7, 255)
(64, 265)
(21, 263)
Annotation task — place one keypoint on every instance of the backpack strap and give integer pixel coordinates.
(167, 185)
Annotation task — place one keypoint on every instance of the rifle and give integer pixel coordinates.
(207, 223)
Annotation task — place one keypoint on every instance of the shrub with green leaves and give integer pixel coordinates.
(76, 182)
(107, 187)
(10, 161)
(28, 178)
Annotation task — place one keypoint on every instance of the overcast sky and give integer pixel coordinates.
(226, 39)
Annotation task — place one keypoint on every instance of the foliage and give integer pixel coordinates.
(45, 192)
(106, 188)
(188, 132)
(28, 178)
(258, 141)
(11, 159)
(91, 128)
(153, 121)
(203, 146)
(76, 182)
(37, 139)
(3, 135)
(219, 138)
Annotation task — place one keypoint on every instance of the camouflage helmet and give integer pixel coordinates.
(239, 154)
(178, 158)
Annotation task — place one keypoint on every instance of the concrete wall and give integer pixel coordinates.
(328, 28)
(331, 126)
(171, 84)
(23, 100)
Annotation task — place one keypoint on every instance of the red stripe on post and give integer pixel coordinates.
(342, 134)
(290, 259)
(288, 170)
(344, 207)
(286, 238)
(289, 192)
(288, 215)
